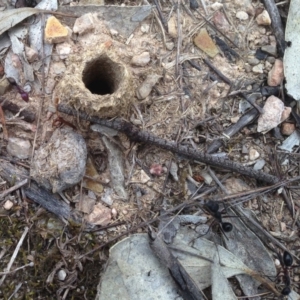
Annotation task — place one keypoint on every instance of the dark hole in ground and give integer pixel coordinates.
(102, 75)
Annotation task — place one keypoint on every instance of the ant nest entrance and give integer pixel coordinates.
(97, 82)
(102, 76)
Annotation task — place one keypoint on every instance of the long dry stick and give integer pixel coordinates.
(138, 135)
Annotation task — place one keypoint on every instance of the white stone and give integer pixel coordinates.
(62, 275)
(145, 28)
(141, 60)
(84, 24)
(216, 6)
(114, 32)
(31, 54)
(114, 213)
(263, 19)
(253, 154)
(271, 117)
(63, 50)
(8, 205)
(170, 46)
(258, 69)
(58, 68)
(234, 119)
(19, 148)
(242, 15)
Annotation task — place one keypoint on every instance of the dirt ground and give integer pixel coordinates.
(188, 105)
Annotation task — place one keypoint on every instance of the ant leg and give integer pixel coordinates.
(201, 235)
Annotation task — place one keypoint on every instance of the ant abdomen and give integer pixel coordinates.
(227, 227)
(287, 259)
(286, 291)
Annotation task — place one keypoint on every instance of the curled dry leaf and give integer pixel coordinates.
(11, 17)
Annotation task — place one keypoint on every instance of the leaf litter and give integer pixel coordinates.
(163, 117)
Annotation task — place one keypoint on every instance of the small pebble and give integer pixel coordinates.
(242, 15)
(170, 46)
(174, 170)
(271, 117)
(253, 61)
(216, 6)
(220, 21)
(245, 150)
(271, 59)
(145, 28)
(234, 119)
(113, 32)
(204, 42)
(287, 128)
(63, 50)
(145, 88)
(258, 69)
(141, 60)
(276, 75)
(263, 19)
(268, 66)
(114, 213)
(19, 148)
(31, 54)
(84, 24)
(8, 205)
(270, 49)
(156, 169)
(62, 275)
(253, 154)
(259, 164)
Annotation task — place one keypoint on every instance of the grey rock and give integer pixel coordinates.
(19, 148)
(60, 163)
(271, 49)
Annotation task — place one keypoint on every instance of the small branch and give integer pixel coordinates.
(142, 136)
(13, 188)
(163, 21)
(252, 102)
(219, 73)
(15, 254)
(25, 114)
(276, 24)
(246, 119)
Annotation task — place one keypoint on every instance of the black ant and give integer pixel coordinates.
(286, 261)
(213, 209)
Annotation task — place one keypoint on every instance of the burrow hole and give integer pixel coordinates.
(102, 76)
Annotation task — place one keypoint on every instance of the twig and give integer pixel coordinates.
(219, 73)
(252, 102)
(179, 39)
(16, 290)
(276, 24)
(165, 24)
(25, 114)
(41, 102)
(13, 188)
(161, 27)
(204, 6)
(217, 29)
(31, 264)
(218, 182)
(142, 136)
(12, 259)
(2, 121)
(233, 129)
